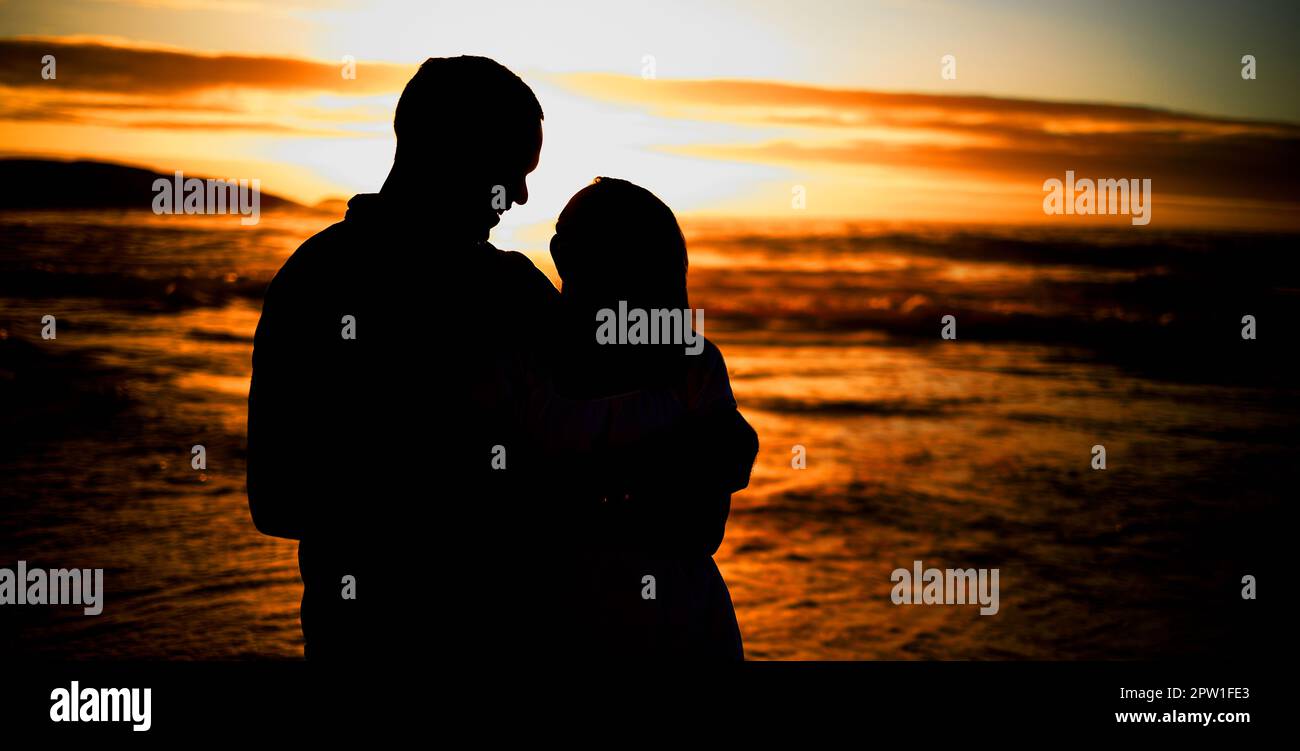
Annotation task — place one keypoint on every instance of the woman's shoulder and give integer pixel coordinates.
(707, 382)
(708, 360)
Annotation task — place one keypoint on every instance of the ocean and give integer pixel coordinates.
(973, 452)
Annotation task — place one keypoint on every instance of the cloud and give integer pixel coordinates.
(259, 7)
(103, 114)
(103, 65)
(859, 106)
(998, 139)
(107, 82)
(1238, 167)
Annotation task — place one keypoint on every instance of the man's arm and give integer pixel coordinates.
(279, 433)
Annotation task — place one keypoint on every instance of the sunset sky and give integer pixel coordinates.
(747, 100)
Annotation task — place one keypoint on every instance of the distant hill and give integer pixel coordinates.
(55, 184)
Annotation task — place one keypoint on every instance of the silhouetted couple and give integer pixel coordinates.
(471, 471)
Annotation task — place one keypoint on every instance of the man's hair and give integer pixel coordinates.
(455, 103)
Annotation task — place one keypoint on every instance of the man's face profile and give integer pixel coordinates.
(508, 183)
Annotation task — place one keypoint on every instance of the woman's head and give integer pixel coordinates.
(617, 241)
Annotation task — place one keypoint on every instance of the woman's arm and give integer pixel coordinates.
(673, 491)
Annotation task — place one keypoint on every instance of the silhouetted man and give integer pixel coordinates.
(390, 371)
(384, 370)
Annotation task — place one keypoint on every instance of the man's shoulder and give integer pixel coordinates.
(522, 274)
(317, 258)
(708, 383)
(320, 251)
(515, 262)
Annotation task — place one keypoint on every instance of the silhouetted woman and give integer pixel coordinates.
(652, 588)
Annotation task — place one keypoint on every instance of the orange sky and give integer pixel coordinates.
(729, 145)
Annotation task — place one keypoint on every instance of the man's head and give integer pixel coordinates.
(468, 133)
